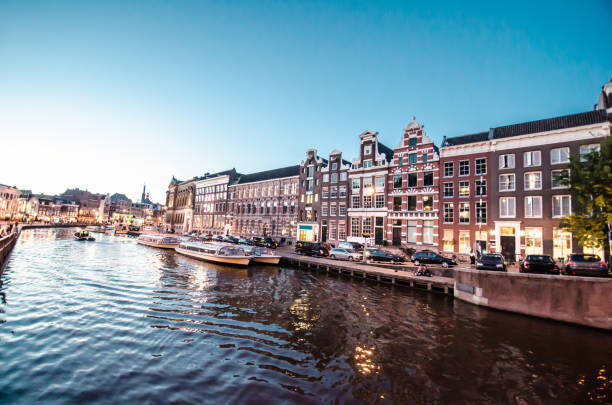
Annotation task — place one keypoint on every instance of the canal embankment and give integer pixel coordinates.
(579, 300)
(6, 246)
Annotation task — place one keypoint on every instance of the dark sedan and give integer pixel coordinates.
(428, 257)
(245, 241)
(377, 255)
(493, 262)
(539, 264)
(230, 239)
(585, 265)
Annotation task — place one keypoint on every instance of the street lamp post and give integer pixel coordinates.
(369, 191)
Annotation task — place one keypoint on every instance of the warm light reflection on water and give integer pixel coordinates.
(115, 322)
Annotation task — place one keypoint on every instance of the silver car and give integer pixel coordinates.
(345, 254)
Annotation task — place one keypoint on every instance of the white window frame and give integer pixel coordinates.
(452, 189)
(459, 189)
(561, 196)
(507, 159)
(525, 182)
(559, 150)
(532, 215)
(476, 173)
(466, 164)
(502, 182)
(452, 169)
(589, 148)
(532, 153)
(507, 199)
(552, 179)
(367, 163)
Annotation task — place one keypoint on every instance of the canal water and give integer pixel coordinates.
(115, 322)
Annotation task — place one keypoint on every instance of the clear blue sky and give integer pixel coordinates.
(107, 95)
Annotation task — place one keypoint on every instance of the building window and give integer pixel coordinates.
(559, 155)
(325, 178)
(425, 157)
(481, 188)
(586, 149)
(447, 237)
(506, 182)
(556, 176)
(533, 181)
(397, 181)
(464, 213)
(379, 182)
(334, 177)
(367, 182)
(334, 192)
(343, 176)
(481, 212)
(333, 230)
(333, 210)
(400, 161)
(507, 207)
(464, 242)
(356, 184)
(412, 141)
(310, 185)
(428, 202)
(397, 204)
(412, 203)
(412, 230)
(355, 203)
(464, 189)
(334, 166)
(562, 243)
(506, 161)
(355, 227)
(448, 190)
(428, 232)
(533, 206)
(367, 163)
(310, 171)
(342, 210)
(428, 179)
(412, 158)
(449, 169)
(367, 149)
(412, 179)
(464, 168)
(481, 167)
(533, 241)
(380, 201)
(367, 201)
(449, 213)
(531, 159)
(325, 192)
(342, 191)
(341, 231)
(324, 210)
(367, 226)
(561, 206)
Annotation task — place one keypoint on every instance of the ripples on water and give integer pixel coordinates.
(115, 322)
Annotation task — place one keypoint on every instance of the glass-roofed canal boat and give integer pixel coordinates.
(159, 241)
(216, 253)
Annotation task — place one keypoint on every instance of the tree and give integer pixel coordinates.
(590, 179)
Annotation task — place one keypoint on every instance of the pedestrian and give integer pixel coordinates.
(472, 257)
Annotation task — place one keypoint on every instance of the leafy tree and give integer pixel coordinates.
(590, 178)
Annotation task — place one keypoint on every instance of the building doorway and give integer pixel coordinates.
(324, 231)
(378, 231)
(508, 243)
(397, 236)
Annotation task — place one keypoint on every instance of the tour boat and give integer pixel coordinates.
(262, 255)
(159, 241)
(120, 231)
(83, 235)
(222, 254)
(98, 229)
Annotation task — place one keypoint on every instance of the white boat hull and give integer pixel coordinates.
(158, 245)
(233, 260)
(266, 259)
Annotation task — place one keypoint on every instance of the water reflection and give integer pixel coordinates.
(114, 322)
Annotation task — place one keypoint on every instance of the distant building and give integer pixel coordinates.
(211, 202)
(265, 203)
(9, 202)
(179, 205)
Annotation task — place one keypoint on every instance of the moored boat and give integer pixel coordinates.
(83, 235)
(98, 229)
(262, 255)
(216, 253)
(159, 241)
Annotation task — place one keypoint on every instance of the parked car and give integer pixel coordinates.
(345, 254)
(429, 257)
(230, 239)
(377, 255)
(585, 265)
(539, 264)
(245, 241)
(491, 261)
(264, 241)
(358, 247)
(217, 238)
(310, 249)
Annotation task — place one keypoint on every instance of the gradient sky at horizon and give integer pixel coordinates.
(109, 95)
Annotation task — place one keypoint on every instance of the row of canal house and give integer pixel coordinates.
(493, 191)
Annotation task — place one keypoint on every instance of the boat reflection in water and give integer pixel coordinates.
(224, 254)
(159, 241)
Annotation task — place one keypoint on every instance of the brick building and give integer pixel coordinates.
(309, 204)
(367, 212)
(464, 193)
(334, 198)
(265, 203)
(413, 200)
(211, 202)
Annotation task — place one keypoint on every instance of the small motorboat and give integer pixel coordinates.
(262, 255)
(83, 235)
